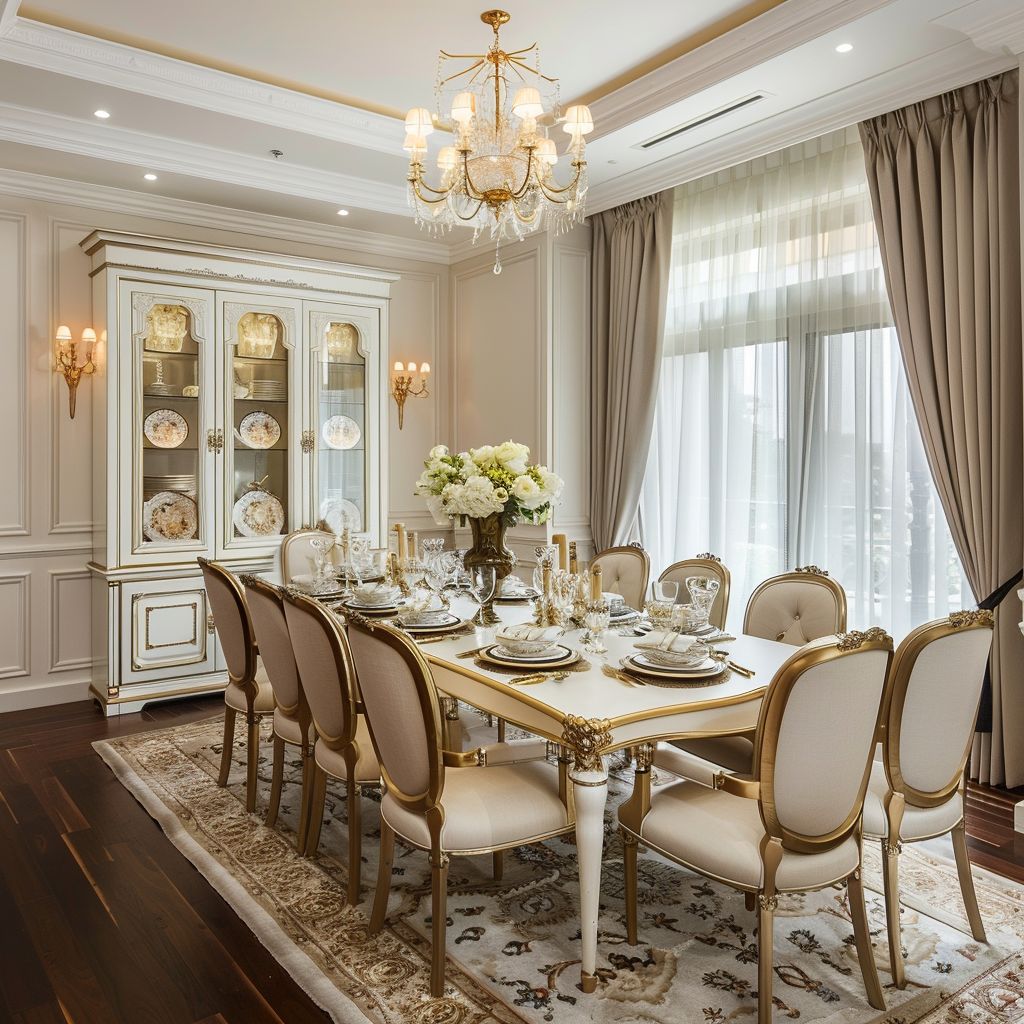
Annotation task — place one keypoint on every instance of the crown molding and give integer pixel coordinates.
(928, 76)
(92, 59)
(44, 188)
(122, 145)
(994, 25)
(773, 33)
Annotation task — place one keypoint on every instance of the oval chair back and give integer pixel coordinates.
(298, 556)
(231, 620)
(796, 607)
(625, 571)
(266, 610)
(702, 565)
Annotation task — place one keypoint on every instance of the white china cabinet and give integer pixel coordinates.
(238, 395)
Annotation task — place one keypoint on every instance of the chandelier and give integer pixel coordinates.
(499, 176)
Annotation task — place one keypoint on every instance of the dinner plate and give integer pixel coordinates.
(371, 609)
(258, 513)
(523, 595)
(338, 513)
(304, 582)
(165, 428)
(170, 516)
(562, 656)
(706, 670)
(259, 430)
(440, 626)
(340, 432)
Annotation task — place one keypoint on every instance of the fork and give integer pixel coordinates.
(538, 677)
(614, 673)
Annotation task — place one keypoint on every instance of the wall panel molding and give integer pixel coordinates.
(18, 475)
(60, 581)
(18, 625)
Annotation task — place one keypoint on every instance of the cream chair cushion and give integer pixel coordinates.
(918, 822)
(297, 555)
(367, 768)
(503, 805)
(625, 572)
(695, 758)
(793, 611)
(234, 695)
(718, 834)
(289, 729)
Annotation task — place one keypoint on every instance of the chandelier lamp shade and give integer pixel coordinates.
(499, 174)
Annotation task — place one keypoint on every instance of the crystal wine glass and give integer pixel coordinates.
(483, 581)
(597, 619)
(703, 591)
(665, 590)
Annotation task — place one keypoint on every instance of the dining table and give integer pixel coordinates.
(592, 711)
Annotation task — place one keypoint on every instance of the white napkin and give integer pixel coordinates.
(613, 599)
(658, 640)
(424, 601)
(512, 585)
(526, 632)
(376, 593)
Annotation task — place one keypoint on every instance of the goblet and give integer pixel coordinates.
(483, 581)
(660, 613)
(703, 591)
(665, 590)
(596, 620)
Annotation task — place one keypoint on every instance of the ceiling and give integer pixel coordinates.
(201, 99)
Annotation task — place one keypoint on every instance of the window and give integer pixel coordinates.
(784, 432)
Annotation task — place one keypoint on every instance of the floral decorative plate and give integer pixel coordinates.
(338, 513)
(170, 516)
(258, 513)
(340, 432)
(165, 428)
(259, 430)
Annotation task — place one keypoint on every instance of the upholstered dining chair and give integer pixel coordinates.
(248, 691)
(297, 555)
(916, 790)
(793, 824)
(449, 804)
(293, 724)
(796, 607)
(343, 749)
(625, 571)
(702, 565)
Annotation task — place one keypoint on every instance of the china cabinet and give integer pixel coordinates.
(238, 395)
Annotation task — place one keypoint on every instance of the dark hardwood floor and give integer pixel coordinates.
(102, 920)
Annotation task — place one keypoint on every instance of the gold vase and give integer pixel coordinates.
(489, 549)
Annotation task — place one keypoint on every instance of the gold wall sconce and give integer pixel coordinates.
(66, 353)
(401, 385)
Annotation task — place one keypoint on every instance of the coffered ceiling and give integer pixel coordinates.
(201, 98)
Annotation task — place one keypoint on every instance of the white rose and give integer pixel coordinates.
(527, 493)
(512, 456)
(551, 483)
(437, 453)
(484, 456)
(500, 494)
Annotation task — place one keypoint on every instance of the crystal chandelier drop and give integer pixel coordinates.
(499, 176)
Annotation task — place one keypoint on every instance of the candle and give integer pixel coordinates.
(414, 548)
(546, 579)
(560, 540)
(403, 543)
(574, 561)
(595, 583)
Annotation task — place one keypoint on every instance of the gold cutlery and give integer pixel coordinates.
(472, 653)
(738, 669)
(538, 677)
(622, 677)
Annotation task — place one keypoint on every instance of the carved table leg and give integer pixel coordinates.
(586, 738)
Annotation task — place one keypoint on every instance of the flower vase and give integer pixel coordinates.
(489, 549)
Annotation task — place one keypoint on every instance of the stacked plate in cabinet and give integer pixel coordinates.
(268, 390)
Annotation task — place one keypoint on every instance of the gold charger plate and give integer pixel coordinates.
(569, 658)
(672, 674)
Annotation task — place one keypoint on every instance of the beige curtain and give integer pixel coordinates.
(629, 291)
(944, 179)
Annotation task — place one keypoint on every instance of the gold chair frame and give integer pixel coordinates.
(760, 786)
(809, 575)
(297, 535)
(635, 551)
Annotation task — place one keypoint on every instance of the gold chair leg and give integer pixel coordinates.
(276, 783)
(750, 902)
(498, 864)
(862, 935)
(304, 800)
(229, 743)
(384, 862)
(629, 854)
(963, 870)
(355, 840)
(891, 885)
(252, 761)
(765, 956)
(501, 730)
(317, 804)
(439, 915)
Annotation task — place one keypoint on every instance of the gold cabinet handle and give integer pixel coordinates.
(215, 441)
(308, 442)
(210, 627)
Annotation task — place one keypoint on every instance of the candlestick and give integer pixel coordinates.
(574, 562)
(561, 542)
(403, 544)
(546, 580)
(414, 547)
(596, 583)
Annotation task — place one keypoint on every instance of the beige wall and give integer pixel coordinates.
(45, 457)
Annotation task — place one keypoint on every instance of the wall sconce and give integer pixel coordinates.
(67, 360)
(401, 386)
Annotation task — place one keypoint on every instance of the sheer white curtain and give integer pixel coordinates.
(784, 434)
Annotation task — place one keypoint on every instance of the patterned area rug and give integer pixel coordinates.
(513, 945)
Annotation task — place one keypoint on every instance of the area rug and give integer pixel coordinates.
(513, 945)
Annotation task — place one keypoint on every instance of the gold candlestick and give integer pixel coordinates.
(561, 542)
(574, 562)
(596, 583)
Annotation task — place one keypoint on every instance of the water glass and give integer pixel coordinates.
(665, 591)
(596, 620)
(685, 618)
(660, 613)
(431, 548)
(483, 581)
(703, 591)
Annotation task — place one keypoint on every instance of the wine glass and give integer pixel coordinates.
(482, 583)
(665, 590)
(320, 546)
(430, 549)
(597, 619)
(703, 591)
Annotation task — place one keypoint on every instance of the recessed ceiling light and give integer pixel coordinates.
(150, 177)
(343, 213)
(102, 114)
(844, 47)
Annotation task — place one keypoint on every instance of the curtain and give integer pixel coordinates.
(784, 433)
(629, 273)
(944, 182)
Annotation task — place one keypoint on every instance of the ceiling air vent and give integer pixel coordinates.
(704, 119)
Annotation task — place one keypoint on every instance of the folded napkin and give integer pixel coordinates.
(376, 593)
(677, 643)
(512, 585)
(530, 633)
(613, 599)
(425, 601)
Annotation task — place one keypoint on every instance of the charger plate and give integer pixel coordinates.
(566, 656)
(638, 664)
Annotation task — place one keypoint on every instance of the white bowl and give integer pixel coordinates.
(375, 595)
(423, 616)
(526, 648)
(694, 655)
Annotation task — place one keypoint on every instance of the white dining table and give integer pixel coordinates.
(589, 715)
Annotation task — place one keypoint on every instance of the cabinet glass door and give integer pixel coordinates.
(259, 382)
(168, 389)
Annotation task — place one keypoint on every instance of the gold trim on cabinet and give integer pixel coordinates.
(167, 607)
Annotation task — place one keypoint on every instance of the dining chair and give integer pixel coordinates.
(706, 564)
(343, 749)
(447, 803)
(625, 571)
(796, 607)
(293, 724)
(916, 790)
(298, 556)
(249, 691)
(793, 824)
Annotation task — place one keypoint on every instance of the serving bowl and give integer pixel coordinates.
(374, 595)
(521, 644)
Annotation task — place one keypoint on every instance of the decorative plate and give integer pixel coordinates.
(371, 609)
(560, 657)
(259, 430)
(529, 594)
(444, 625)
(340, 432)
(638, 663)
(165, 428)
(258, 513)
(338, 513)
(170, 516)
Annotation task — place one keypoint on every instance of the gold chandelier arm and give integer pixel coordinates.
(533, 71)
(472, 191)
(418, 180)
(464, 71)
(551, 190)
(472, 215)
(442, 196)
(521, 191)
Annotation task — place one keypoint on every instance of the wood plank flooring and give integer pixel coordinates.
(102, 921)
